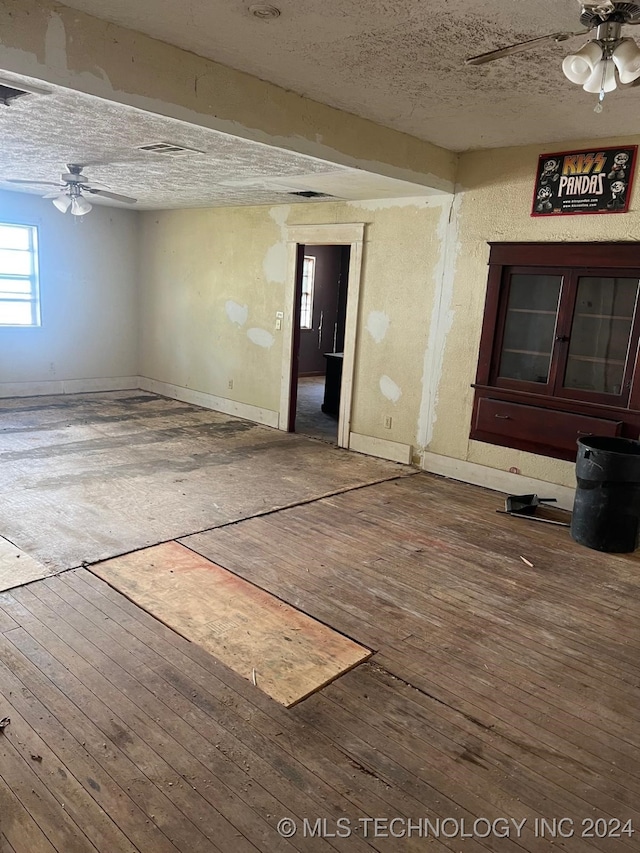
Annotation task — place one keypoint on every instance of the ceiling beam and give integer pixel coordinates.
(46, 41)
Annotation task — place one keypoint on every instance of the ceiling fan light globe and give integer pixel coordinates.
(80, 206)
(62, 202)
(594, 84)
(578, 67)
(626, 57)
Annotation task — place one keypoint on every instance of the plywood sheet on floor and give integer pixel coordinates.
(17, 568)
(132, 469)
(282, 651)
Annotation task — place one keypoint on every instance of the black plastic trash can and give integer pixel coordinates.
(606, 512)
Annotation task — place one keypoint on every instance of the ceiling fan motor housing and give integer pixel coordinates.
(623, 13)
(74, 175)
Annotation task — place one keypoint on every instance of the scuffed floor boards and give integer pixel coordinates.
(18, 568)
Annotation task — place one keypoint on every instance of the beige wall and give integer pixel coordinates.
(213, 280)
(495, 190)
(88, 297)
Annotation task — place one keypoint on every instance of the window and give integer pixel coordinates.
(306, 305)
(19, 299)
(559, 346)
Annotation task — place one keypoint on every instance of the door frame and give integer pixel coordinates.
(348, 234)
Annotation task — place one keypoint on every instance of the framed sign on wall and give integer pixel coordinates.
(590, 181)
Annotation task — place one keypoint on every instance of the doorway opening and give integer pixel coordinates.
(321, 309)
(345, 242)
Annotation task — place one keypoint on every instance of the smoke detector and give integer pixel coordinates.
(264, 11)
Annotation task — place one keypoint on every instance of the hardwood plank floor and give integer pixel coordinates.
(498, 692)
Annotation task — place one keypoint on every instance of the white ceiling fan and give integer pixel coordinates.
(70, 194)
(594, 65)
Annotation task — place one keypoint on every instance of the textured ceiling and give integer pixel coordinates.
(42, 133)
(400, 62)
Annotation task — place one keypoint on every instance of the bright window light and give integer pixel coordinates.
(19, 292)
(306, 306)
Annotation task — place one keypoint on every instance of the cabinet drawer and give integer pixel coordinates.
(534, 425)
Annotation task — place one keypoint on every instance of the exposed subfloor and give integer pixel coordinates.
(499, 691)
(89, 476)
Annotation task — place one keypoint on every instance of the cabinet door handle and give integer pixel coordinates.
(503, 417)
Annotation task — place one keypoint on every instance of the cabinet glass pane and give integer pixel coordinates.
(600, 334)
(530, 327)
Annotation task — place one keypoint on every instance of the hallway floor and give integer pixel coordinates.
(310, 419)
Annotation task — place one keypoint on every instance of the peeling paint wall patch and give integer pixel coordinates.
(236, 313)
(378, 325)
(280, 214)
(389, 389)
(261, 337)
(275, 263)
(55, 45)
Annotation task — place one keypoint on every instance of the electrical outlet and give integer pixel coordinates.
(387, 422)
(278, 324)
(230, 384)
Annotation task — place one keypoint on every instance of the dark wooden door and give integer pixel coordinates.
(318, 339)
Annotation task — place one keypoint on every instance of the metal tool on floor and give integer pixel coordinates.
(525, 506)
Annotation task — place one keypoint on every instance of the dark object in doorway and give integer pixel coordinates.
(3, 724)
(333, 383)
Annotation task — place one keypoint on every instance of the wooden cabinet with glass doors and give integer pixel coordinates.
(558, 355)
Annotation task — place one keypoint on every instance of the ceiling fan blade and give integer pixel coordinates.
(107, 194)
(33, 183)
(54, 194)
(520, 47)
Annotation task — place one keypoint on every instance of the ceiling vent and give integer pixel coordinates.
(311, 194)
(9, 94)
(168, 148)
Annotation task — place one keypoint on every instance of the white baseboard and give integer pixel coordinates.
(493, 478)
(68, 386)
(210, 401)
(380, 447)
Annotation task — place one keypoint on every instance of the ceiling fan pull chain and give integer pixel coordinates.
(599, 106)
